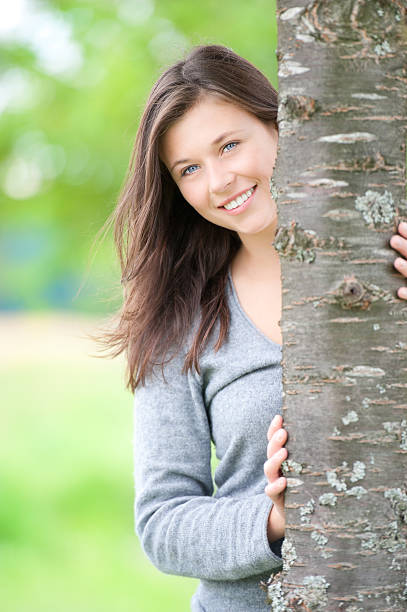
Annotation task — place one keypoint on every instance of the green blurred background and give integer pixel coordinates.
(74, 79)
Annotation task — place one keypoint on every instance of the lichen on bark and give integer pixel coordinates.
(295, 242)
(377, 209)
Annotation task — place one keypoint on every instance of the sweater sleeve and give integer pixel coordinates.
(182, 528)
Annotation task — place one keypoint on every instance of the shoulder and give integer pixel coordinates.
(171, 365)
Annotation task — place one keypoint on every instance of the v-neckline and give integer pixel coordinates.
(246, 316)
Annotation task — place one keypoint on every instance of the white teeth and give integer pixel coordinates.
(239, 200)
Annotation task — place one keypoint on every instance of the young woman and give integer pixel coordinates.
(200, 326)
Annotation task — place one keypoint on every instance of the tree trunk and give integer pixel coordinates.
(341, 183)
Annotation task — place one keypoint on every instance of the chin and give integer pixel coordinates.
(257, 227)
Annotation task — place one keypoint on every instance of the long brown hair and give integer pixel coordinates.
(174, 262)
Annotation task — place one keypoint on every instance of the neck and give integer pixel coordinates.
(257, 251)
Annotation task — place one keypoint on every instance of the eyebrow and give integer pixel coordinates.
(215, 142)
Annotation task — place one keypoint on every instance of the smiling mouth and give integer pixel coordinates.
(241, 199)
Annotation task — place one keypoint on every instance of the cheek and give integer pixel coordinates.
(194, 196)
(185, 192)
(267, 160)
(260, 162)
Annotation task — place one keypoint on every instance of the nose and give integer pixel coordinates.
(219, 178)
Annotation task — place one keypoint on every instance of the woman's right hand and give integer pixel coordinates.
(276, 454)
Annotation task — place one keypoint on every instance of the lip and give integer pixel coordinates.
(235, 196)
(243, 206)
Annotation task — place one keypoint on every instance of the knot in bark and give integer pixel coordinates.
(353, 294)
(352, 291)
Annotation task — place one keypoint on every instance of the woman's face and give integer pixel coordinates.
(217, 152)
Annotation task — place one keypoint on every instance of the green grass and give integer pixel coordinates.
(67, 539)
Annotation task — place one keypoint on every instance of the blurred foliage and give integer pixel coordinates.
(66, 522)
(75, 77)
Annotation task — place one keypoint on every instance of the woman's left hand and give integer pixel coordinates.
(276, 454)
(399, 243)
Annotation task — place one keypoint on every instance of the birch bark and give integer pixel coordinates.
(341, 181)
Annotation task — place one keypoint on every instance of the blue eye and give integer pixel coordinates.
(230, 143)
(185, 171)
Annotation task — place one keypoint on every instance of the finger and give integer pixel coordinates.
(275, 424)
(401, 265)
(272, 466)
(275, 489)
(399, 243)
(402, 228)
(277, 441)
(402, 293)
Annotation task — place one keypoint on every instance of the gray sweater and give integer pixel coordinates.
(184, 527)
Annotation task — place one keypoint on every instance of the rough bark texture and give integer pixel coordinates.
(341, 183)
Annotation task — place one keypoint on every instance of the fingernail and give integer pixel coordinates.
(403, 225)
